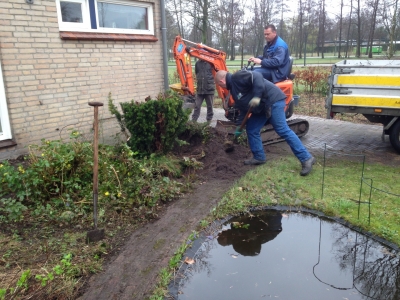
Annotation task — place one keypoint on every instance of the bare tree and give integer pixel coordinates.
(340, 27)
(390, 12)
(393, 28)
(265, 12)
(374, 4)
(235, 16)
(173, 29)
(243, 31)
(348, 31)
(175, 7)
(292, 34)
(358, 13)
(300, 21)
(222, 19)
(197, 12)
(321, 28)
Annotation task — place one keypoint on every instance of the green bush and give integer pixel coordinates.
(53, 176)
(55, 182)
(154, 125)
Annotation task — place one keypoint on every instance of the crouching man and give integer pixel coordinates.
(267, 101)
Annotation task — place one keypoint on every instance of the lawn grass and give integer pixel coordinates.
(334, 190)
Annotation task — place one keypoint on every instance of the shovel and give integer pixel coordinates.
(229, 144)
(95, 234)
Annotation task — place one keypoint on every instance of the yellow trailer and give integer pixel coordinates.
(370, 88)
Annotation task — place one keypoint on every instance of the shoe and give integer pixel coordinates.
(306, 166)
(254, 161)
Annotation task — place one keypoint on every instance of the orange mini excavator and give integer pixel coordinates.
(183, 55)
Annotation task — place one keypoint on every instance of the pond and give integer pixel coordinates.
(287, 255)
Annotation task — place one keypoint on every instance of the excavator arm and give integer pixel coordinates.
(183, 54)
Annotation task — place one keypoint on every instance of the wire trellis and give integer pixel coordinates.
(363, 181)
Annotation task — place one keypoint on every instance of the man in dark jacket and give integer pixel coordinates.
(275, 61)
(205, 89)
(250, 89)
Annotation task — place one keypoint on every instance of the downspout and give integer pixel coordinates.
(164, 44)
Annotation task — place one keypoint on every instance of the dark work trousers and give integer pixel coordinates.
(199, 101)
(265, 72)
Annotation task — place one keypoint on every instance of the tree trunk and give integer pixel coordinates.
(323, 28)
(300, 25)
(232, 34)
(358, 50)
(372, 31)
(204, 22)
(348, 30)
(340, 28)
(393, 31)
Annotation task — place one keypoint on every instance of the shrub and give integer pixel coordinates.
(153, 125)
(55, 183)
(314, 79)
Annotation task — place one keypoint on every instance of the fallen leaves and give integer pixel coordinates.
(189, 261)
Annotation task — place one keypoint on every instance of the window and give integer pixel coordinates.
(105, 16)
(5, 130)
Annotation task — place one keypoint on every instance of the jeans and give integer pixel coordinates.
(199, 101)
(266, 73)
(278, 122)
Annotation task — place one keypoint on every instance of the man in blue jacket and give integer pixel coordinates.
(250, 89)
(275, 61)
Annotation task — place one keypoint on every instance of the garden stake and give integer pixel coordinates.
(95, 234)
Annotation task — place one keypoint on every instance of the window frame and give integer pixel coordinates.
(88, 23)
(75, 26)
(4, 119)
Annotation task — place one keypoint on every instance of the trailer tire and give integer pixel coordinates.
(290, 110)
(394, 136)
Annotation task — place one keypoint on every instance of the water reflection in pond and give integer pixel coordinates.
(288, 256)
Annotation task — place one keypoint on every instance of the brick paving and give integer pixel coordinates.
(338, 136)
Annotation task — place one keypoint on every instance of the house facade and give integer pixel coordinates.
(56, 56)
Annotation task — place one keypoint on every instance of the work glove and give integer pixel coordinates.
(254, 102)
(238, 132)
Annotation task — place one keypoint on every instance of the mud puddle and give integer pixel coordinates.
(271, 254)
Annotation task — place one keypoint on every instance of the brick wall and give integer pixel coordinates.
(49, 81)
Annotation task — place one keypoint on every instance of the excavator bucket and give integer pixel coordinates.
(188, 100)
(177, 87)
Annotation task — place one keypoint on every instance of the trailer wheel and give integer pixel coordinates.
(394, 136)
(289, 111)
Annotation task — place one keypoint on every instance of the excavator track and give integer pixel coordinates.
(268, 134)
